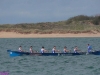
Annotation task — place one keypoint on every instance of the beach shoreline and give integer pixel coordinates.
(53, 35)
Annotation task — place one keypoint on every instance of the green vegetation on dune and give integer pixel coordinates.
(77, 24)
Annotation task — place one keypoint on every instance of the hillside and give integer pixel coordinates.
(77, 24)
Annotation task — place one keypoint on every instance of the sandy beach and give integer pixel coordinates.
(18, 35)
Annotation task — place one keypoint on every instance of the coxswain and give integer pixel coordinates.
(89, 48)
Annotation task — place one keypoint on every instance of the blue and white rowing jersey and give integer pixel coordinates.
(75, 50)
(89, 48)
(20, 50)
(64, 51)
(42, 50)
(31, 51)
(53, 50)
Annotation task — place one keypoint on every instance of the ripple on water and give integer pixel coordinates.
(50, 65)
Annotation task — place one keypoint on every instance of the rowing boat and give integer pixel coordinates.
(17, 53)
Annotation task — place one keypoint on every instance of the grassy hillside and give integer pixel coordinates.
(77, 24)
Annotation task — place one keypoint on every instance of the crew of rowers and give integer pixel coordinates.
(54, 50)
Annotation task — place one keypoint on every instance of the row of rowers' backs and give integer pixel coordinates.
(43, 50)
(54, 50)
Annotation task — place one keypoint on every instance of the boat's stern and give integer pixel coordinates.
(14, 53)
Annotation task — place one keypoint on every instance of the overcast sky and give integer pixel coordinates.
(33, 11)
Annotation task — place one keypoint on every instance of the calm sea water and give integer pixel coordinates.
(49, 65)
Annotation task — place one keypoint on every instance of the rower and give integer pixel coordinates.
(65, 50)
(89, 48)
(20, 49)
(31, 50)
(43, 50)
(76, 49)
(54, 50)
